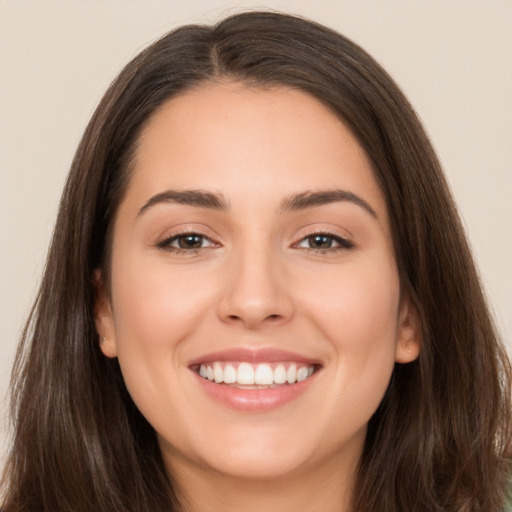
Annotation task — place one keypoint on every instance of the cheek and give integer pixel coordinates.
(356, 311)
(153, 305)
(155, 311)
(359, 320)
(357, 301)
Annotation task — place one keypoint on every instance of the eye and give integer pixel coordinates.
(186, 242)
(324, 242)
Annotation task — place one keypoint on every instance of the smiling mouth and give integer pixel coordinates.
(244, 375)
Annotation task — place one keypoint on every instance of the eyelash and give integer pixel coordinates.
(342, 243)
(166, 243)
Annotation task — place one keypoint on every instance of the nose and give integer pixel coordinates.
(256, 291)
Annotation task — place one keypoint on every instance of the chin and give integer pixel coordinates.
(244, 453)
(260, 464)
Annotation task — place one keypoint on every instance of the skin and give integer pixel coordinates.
(257, 281)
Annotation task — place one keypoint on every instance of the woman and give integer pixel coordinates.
(258, 294)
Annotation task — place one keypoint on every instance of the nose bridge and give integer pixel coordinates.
(255, 292)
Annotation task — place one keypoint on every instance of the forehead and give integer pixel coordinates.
(236, 139)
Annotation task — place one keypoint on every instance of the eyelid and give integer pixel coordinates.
(167, 242)
(164, 242)
(345, 243)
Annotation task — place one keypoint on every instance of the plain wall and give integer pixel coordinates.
(452, 58)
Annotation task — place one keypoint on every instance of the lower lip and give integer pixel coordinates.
(255, 400)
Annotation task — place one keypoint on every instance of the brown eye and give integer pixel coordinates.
(186, 242)
(190, 241)
(320, 241)
(324, 242)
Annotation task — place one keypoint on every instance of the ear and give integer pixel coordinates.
(103, 317)
(409, 333)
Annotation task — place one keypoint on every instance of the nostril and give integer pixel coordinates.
(256, 320)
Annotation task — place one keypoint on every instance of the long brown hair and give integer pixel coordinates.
(440, 440)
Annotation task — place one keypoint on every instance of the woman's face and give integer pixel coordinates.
(255, 304)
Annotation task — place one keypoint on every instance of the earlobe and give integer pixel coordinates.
(108, 347)
(103, 317)
(409, 334)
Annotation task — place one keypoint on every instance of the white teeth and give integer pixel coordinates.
(264, 374)
(302, 374)
(291, 374)
(218, 374)
(247, 374)
(229, 374)
(280, 374)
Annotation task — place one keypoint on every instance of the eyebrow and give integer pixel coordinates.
(199, 198)
(311, 199)
(216, 201)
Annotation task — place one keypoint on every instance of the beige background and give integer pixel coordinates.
(452, 58)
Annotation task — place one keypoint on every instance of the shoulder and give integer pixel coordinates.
(508, 503)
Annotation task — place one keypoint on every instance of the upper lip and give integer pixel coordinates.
(252, 355)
